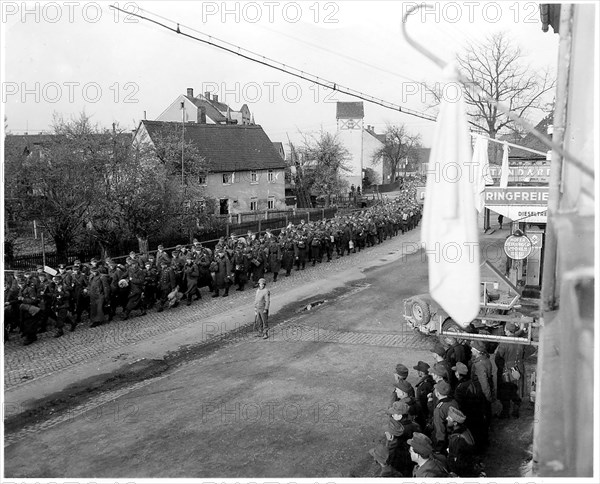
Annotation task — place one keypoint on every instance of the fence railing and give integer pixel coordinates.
(275, 224)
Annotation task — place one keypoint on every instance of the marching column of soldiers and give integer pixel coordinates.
(440, 426)
(37, 301)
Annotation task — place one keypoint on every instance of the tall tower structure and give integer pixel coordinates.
(350, 122)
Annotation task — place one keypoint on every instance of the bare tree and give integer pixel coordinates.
(57, 182)
(399, 150)
(150, 195)
(497, 67)
(302, 193)
(324, 159)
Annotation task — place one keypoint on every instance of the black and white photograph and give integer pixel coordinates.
(299, 241)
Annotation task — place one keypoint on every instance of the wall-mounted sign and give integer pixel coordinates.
(533, 214)
(516, 196)
(523, 173)
(518, 247)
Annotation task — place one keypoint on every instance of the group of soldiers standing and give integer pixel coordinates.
(165, 279)
(440, 426)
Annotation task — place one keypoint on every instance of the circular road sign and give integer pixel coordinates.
(517, 247)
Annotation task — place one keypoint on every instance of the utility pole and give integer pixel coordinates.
(182, 141)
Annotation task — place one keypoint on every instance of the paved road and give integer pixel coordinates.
(281, 407)
(309, 402)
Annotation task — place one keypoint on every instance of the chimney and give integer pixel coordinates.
(190, 92)
(215, 98)
(202, 115)
(144, 115)
(207, 95)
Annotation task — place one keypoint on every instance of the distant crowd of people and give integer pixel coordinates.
(440, 427)
(35, 302)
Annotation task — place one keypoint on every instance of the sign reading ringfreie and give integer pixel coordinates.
(516, 196)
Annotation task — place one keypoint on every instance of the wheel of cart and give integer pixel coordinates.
(420, 311)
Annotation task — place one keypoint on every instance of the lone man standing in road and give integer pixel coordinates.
(261, 307)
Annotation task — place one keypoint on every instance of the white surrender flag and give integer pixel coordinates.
(504, 172)
(481, 171)
(449, 218)
(49, 270)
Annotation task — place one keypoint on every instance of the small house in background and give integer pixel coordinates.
(246, 172)
(204, 109)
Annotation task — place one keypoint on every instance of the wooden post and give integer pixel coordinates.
(43, 250)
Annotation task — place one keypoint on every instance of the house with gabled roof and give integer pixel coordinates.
(246, 170)
(204, 109)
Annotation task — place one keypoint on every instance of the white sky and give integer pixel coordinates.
(141, 67)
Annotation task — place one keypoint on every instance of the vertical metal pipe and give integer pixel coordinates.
(549, 276)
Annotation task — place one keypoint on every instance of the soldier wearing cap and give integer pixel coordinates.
(166, 283)
(456, 352)
(262, 302)
(439, 436)
(300, 250)
(423, 388)
(481, 374)
(65, 274)
(439, 353)
(510, 362)
(224, 275)
(162, 255)
(45, 295)
(192, 273)
(400, 374)
(97, 291)
(399, 454)
(203, 261)
(241, 265)
(471, 401)
(135, 299)
(287, 255)
(381, 455)
(402, 392)
(275, 255)
(421, 453)
(79, 297)
(461, 445)
(150, 284)
(61, 304)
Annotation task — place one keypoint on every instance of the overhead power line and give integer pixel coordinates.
(265, 61)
